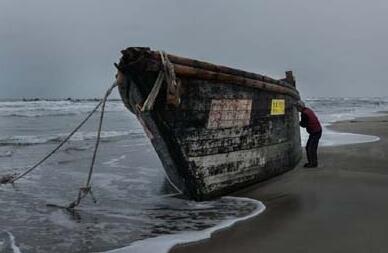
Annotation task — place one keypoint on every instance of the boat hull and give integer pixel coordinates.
(222, 136)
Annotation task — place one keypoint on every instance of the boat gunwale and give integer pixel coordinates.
(190, 68)
(179, 60)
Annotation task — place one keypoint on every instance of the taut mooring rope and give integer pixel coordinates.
(167, 73)
(87, 189)
(10, 179)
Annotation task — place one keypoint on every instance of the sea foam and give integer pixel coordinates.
(8, 242)
(165, 243)
(53, 108)
(334, 138)
(23, 140)
(331, 110)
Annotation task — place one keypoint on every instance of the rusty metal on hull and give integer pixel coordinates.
(229, 128)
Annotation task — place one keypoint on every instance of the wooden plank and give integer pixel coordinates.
(191, 72)
(142, 58)
(218, 68)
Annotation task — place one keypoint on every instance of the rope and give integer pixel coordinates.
(87, 189)
(10, 179)
(166, 74)
(168, 70)
(173, 84)
(150, 101)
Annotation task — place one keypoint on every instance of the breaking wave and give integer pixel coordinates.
(8, 243)
(24, 140)
(53, 108)
(331, 110)
(165, 243)
(7, 153)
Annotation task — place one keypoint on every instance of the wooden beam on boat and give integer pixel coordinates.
(185, 67)
(218, 68)
(192, 72)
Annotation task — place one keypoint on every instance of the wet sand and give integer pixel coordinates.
(340, 207)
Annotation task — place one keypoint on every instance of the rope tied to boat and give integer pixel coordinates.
(167, 73)
(85, 190)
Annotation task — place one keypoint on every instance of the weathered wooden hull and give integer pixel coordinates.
(224, 133)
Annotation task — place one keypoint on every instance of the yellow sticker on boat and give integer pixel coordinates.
(278, 107)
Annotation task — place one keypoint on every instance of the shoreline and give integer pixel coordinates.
(296, 194)
(165, 243)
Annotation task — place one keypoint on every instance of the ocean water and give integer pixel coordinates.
(330, 110)
(136, 210)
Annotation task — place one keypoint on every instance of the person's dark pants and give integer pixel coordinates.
(312, 147)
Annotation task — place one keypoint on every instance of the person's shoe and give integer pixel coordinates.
(309, 165)
(306, 165)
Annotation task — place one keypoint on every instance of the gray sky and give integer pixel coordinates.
(51, 48)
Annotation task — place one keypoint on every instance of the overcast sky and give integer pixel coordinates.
(51, 48)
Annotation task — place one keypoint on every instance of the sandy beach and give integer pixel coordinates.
(339, 207)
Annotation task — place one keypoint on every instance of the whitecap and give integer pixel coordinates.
(331, 110)
(23, 140)
(114, 162)
(334, 138)
(53, 108)
(7, 153)
(77, 148)
(9, 243)
(13, 243)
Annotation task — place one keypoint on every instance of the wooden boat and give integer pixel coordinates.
(216, 129)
